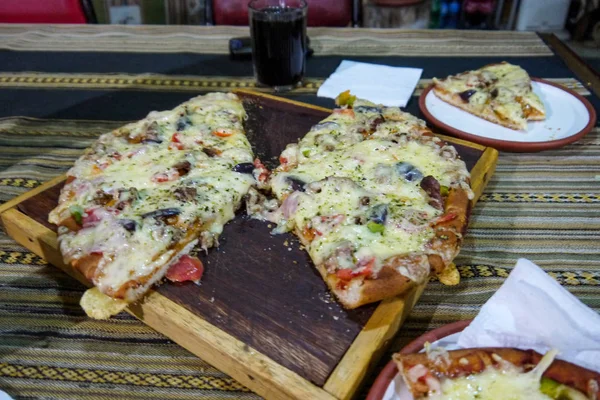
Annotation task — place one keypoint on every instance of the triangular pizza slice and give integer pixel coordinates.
(500, 93)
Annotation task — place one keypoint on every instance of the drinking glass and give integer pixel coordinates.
(278, 30)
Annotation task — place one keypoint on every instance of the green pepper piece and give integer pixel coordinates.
(375, 227)
(306, 152)
(549, 387)
(77, 213)
(444, 190)
(558, 391)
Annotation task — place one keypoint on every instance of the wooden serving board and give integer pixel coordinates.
(262, 314)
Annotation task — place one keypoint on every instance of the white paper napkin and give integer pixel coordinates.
(532, 311)
(381, 84)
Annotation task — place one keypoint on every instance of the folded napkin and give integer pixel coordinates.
(532, 311)
(381, 84)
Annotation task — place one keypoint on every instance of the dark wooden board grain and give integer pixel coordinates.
(262, 288)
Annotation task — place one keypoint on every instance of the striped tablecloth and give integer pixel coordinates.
(61, 87)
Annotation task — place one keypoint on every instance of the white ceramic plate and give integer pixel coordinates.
(568, 118)
(397, 389)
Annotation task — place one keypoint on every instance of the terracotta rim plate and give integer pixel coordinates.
(389, 372)
(569, 117)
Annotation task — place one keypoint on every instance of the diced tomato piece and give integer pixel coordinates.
(70, 179)
(446, 218)
(175, 145)
(264, 172)
(221, 133)
(258, 164)
(187, 268)
(176, 137)
(176, 142)
(170, 175)
(345, 274)
(363, 269)
(283, 160)
(160, 177)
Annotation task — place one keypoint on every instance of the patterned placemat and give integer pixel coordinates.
(179, 83)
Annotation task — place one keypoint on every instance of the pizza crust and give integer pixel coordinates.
(536, 117)
(448, 234)
(361, 291)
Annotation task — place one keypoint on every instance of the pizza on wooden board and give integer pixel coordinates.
(378, 201)
(500, 93)
(495, 373)
(137, 202)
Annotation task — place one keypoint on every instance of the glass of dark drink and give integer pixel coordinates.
(278, 29)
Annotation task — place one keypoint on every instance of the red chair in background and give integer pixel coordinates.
(46, 11)
(320, 12)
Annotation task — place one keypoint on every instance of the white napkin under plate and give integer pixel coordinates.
(532, 311)
(381, 84)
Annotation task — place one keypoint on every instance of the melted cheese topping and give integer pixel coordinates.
(492, 384)
(147, 186)
(362, 202)
(502, 89)
(503, 381)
